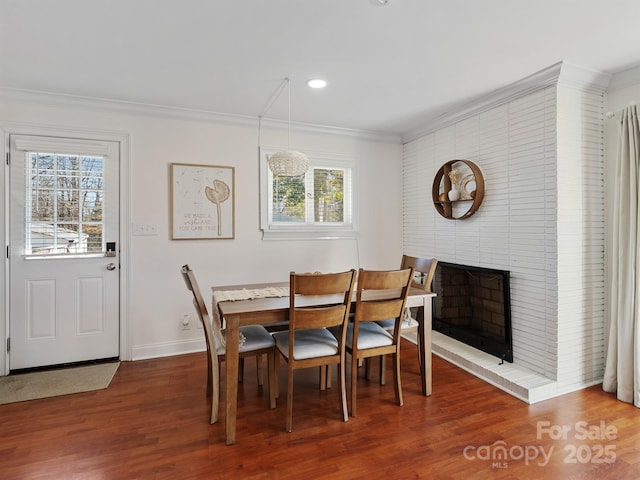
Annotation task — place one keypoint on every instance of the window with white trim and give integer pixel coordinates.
(318, 204)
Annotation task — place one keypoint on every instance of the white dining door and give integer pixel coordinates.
(63, 251)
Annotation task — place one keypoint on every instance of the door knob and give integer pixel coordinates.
(111, 266)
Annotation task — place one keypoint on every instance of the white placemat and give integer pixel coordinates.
(249, 293)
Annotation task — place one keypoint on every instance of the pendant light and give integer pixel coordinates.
(286, 163)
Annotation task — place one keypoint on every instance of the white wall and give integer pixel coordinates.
(540, 150)
(157, 297)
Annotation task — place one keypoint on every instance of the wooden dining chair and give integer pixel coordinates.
(255, 342)
(427, 269)
(317, 302)
(381, 295)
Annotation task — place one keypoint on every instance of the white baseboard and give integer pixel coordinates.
(155, 350)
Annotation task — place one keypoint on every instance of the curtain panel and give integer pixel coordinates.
(622, 366)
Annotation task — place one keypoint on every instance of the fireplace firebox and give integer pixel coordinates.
(473, 306)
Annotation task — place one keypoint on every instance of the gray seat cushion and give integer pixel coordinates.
(308, 343)
(252, 337)
(370, 335)
(407, 322)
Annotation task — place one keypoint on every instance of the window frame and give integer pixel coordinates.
(66, 145)
(309, 231)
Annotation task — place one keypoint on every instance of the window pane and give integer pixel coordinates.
(92, 166)
(42, 204)
(43, 163)
(68, 166)
(68, 206)
(72, 240)
(288, 199)
(65, 196)
(40, 181)
(42, 238)
(92, 206)
(328, 195)
(92, 235)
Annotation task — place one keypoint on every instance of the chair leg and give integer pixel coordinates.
(343, 390)
(273, 385)
(383, 369)
(367, 367)
(259, 368)
(209, 375)
(323, 377)
(240, 369)
(396, 378)
(289, 419)
(354, 382)
(215, 384)
(276, 373)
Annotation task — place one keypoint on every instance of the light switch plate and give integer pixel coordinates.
(145, 229)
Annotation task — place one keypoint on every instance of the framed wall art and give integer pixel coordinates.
(202, 202)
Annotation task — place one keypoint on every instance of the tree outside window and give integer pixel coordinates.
(316, 197)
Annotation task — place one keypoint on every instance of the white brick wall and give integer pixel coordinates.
(580, 236)
(549, 238)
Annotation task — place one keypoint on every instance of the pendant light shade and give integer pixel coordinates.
(287, 163)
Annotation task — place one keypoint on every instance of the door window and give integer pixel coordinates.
(64, 204)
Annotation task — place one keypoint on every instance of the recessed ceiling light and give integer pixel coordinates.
(316, 83)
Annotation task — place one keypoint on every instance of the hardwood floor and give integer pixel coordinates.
(151, 423)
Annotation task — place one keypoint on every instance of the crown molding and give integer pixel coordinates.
(584, 78)
(120, 106)
(558, 73)
(626, 78)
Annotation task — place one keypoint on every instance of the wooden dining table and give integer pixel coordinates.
(275, 309)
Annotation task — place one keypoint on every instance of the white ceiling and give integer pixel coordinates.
(390, 68)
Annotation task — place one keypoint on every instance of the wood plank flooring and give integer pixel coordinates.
(151, 423)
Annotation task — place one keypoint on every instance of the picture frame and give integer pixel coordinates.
(202, 202)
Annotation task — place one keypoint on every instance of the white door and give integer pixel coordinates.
(63, 251)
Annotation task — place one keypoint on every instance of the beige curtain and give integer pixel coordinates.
(622, 367)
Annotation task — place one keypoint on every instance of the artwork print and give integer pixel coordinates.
(202, 199)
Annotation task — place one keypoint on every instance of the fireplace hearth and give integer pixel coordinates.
(473, 306)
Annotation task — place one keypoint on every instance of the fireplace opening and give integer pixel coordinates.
(473, 306)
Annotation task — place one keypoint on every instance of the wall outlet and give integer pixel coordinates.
(185, 322)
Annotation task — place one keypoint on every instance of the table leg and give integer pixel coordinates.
(231, 361)
(424, 331)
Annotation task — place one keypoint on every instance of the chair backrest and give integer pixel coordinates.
(382, 295)
(425, 266)
(320, 300)
(198, 301)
